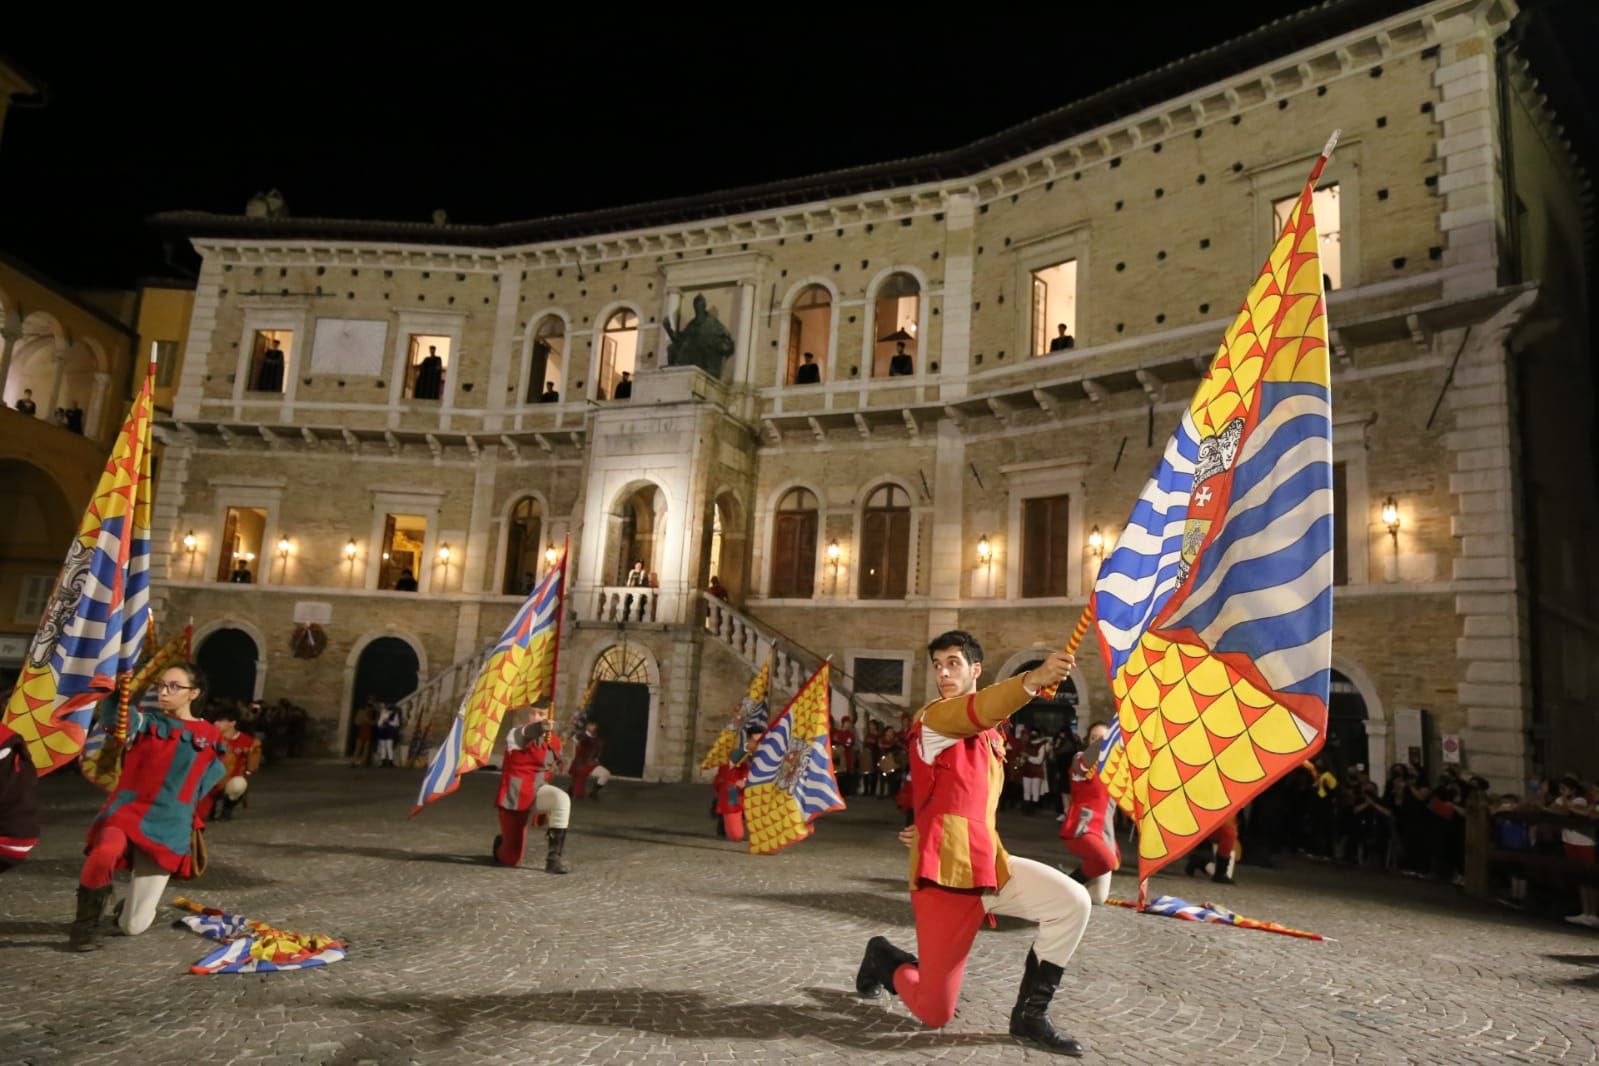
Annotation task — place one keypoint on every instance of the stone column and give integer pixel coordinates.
(1493, 650)
(960, 245)
(1469, 151)
(10, 334)
(59, 358)
(96, 411)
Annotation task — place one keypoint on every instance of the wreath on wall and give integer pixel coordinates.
(310, 640)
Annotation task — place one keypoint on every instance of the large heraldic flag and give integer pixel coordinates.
(1214, 609)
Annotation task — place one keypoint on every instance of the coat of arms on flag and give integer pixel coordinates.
(1214, 609)
(791, 779)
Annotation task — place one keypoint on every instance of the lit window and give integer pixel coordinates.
(1325, 204)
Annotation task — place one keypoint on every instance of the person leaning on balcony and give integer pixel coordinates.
(808, 373)
(1063, 340)
(26, 404)
(636, 577)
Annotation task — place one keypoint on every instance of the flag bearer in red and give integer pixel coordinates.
(729, 785)
(959, 871)
(1090, 827)
(532, 756)
(241, 757)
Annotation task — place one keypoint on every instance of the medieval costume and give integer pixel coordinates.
(241, 758)
(1034, 774)
(387, 732)
(729, 805)
(532, 756)
(148, 823)
(19, 804)
(1090, 828)
(960, 873)
(1218, 854)
(586, 763)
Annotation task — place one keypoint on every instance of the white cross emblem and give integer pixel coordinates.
(1202, 497)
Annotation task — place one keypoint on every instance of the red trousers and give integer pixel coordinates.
(1098, 855)
(733, 825)
(1225, 838)
(106, 851)
(946, 924)
(513, 835)
(580, 775)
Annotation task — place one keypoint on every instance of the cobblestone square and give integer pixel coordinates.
(668, 945)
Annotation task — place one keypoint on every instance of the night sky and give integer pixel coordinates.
(403, 119)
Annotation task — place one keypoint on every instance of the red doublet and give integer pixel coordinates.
(170, 764)
(237, 754)
(523, 770)
(729, 784)
(1089, 831)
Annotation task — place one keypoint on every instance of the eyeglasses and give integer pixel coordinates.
(173, 686)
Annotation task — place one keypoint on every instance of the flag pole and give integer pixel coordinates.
(1084, 620)
(560, 612)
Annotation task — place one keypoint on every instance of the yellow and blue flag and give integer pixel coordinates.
(518, 672)
(1214, 609)
(94, 626)
(791, 780)
(750, 716)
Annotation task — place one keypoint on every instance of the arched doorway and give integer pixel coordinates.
(726, 548)
(523, 547)
(387, 671)
(636, 525)
(229, 657)
(621, 706)
(1346, 727)
(1054, 714)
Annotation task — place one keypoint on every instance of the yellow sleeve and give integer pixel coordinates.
(966, 716)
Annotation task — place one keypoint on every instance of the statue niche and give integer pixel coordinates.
(704, 342)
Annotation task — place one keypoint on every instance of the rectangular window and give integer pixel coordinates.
(1045, 555)
(403, 539)
(879, 677)
(242, 530)
(1054, 314)
(1325, 203)
(426, 365)
(269, 360)
(1340, 488)
(165, 354)
(32, 598)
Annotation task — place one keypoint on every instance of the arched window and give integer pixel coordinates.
(810, 332)
(548, 361)
(618, 352)
(896, 313)
(794, 529)
(523, 543)
(885, 544)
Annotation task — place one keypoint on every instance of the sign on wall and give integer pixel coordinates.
(351, 346)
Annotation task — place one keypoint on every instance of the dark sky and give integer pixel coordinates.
(404, 118)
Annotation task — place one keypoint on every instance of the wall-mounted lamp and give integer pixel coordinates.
(445, 554)
(350, 549)
(985, 550)
(833, 552)
(1096, 542)
(1390, 518)
(190, 542)
(283, 547)
(549, 554)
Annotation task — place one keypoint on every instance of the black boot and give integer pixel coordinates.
(84, 934)
(553, 863)
(1196, 861)
(878, 965)
(227, 808)
(1224, 869)
(494, 850)
(1029, 1019)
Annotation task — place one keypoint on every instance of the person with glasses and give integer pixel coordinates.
(146, 826)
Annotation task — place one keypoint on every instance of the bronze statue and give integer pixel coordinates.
(704, 342)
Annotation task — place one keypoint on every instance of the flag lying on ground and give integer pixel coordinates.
(791, 779)
(518, 672)
(102, 752)
(1214, 609)
(750, 715)
(93, 628)
(255, 947)
(1172, 907)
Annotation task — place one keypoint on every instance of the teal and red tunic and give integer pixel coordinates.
(170, 764)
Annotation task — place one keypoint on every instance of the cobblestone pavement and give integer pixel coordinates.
(667, 945)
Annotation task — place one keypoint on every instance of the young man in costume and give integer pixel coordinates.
(241, 757)
(959, 871)
(1090, 826)
(532, 757)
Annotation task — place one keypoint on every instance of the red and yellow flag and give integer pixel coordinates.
(791, 779)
